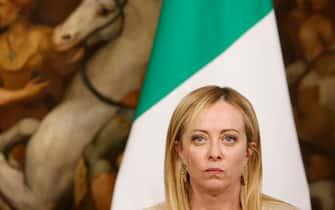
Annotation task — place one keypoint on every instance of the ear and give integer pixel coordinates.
(178, 147)
(250, 149)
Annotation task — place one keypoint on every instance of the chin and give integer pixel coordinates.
(215, 185)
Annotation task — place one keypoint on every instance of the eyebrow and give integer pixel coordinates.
(222, 131)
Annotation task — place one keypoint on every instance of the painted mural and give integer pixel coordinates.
(307, 33)
(70, 77)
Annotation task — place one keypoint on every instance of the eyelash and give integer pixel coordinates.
(231, 137)
(196, 139)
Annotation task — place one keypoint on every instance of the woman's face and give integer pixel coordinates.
(8, 12)
(214, 148)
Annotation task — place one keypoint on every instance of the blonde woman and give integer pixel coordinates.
(213, 155)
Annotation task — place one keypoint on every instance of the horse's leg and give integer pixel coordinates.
(13, 187)
(52, 155)
(55, 150)
(101, 154)
(19, 131)
(109, 142)
(12, 184)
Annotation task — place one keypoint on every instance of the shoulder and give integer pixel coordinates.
(269, 203)
(160, 206)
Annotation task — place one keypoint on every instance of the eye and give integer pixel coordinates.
(198, 139)
(104, 11)
(230, 139)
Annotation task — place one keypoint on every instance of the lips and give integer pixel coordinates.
(214, 170)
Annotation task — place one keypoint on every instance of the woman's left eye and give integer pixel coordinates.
(229, 138)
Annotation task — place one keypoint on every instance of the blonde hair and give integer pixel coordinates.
(176, 188)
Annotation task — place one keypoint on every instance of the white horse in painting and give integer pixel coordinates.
(115, 70)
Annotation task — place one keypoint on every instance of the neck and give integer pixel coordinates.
(17, 33)
(143, 14)
(227, 199)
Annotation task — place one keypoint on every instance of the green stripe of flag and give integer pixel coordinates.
(190, 34)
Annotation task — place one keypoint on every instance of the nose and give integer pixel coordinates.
(215, 152)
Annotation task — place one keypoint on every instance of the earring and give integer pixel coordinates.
(183, 172)
(244, 177)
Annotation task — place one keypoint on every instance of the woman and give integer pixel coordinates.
(33, 74)
(213, 155)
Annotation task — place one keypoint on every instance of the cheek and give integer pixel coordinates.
(195, 159)
(8, 13)
(236, 160)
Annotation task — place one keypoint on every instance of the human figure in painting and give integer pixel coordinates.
(32, 72)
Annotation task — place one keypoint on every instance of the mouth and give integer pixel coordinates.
(60, 45)
(63, 47)
(214, 171)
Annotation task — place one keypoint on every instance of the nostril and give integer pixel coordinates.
(215, 157)
(66, 37)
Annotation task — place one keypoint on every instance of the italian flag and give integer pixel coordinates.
(213, 42)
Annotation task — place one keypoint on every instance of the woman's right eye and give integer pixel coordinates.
(198, 139)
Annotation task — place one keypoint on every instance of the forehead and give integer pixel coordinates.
(220, 115)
